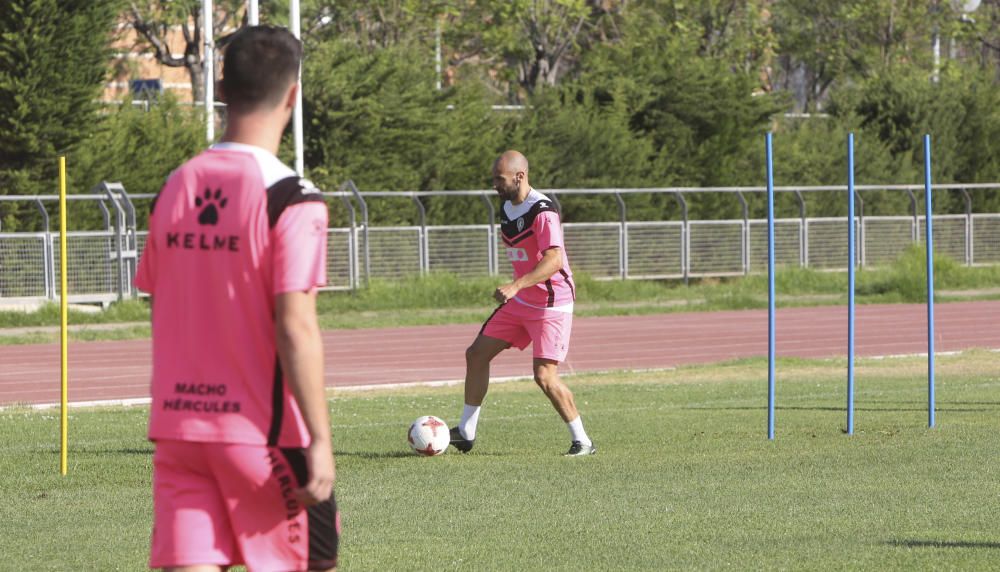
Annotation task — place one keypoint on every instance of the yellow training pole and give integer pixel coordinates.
(63, 311)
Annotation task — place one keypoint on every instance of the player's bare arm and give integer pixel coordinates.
(300, 349)
(551, 262)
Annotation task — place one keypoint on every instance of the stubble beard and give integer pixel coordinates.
(507, 194)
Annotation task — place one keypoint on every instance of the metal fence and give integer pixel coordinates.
(102, 263)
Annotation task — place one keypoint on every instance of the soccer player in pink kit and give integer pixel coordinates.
(536, 308)
(243, 470)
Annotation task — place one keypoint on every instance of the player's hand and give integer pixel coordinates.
(319, 460)
(506, 292)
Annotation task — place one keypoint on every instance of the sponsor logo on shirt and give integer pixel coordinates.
(210, 204)
(307, 187)
(517, 254)
(209, 215)
(202, 241)
(207, 404)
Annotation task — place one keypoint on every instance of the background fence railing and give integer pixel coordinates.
(102, 263)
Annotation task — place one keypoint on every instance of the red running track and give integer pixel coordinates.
(120, 370)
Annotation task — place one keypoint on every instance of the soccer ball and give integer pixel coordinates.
(428, 436)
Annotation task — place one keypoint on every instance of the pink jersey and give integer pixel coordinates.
(231, 229)
(528, 230)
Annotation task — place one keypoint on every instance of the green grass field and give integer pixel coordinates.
(684, 478)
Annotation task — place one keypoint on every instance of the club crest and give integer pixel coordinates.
(520, 224)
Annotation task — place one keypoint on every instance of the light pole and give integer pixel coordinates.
(966, 7)
(296, 26)
(209, 68)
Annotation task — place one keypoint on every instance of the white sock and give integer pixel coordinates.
(470, 418)
(577, 433)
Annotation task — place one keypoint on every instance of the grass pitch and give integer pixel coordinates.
(684, 478)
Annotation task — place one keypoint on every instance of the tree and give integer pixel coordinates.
(529, 44)
(373, 24)
(376, 117)
(514, 48)
(699, 113)
(54, 59)
(835, 40)
(551, 30)
(573, 141)
(155, 18)
(140, 148)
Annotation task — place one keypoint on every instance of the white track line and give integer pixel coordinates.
(438, 383)
(349, 388)
(75, 404)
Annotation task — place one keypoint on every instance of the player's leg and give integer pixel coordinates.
(547, 378)
(477, 382)
(501, 330)
(191, 529)
(274, 531)
(477, 367)
(550, 333)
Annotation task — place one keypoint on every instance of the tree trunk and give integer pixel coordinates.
(154, 31)
(196, 71)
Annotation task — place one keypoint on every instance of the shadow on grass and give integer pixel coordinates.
(844, 408)
(99, 452)
(402, 454)
(82, 451)
(912, 543)
(995, 404)
(374, 454)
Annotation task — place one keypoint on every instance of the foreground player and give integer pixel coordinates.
(243, 470)
(536, 308)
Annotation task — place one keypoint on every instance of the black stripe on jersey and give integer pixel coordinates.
(287, 192)
(483, 329)
(512, 242)
(552, 294)
(324, 538)
(509, 227)
(568, 281)
(277, 404)
(296, 459)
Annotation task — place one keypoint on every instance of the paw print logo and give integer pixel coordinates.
(211, 202)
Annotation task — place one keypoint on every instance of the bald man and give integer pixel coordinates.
(536, 308)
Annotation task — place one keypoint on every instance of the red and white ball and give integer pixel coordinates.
(429, 436)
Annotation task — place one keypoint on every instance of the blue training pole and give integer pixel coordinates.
(770, 287)
(852, 258)
(930, 281)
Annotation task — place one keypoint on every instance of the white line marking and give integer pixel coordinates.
(438, 383)
(96, 403)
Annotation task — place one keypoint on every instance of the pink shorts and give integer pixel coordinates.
(226, 504)
(520, 325)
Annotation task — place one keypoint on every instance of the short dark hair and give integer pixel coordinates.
(259, 64)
